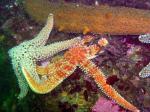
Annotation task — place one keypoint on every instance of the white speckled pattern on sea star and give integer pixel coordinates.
(27, 53)
(145, 72)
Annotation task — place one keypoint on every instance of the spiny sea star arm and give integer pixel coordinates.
(144, 38)
(55, 75)
(23, 85)
(91, 69)
(145, 72)
(54, 48)
(42, 37)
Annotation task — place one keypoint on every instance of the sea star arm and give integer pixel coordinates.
(54, 48)
(23, 85)
(145, 72)
(144, 38)
(55, 75)
(91, 69)
(43, 35)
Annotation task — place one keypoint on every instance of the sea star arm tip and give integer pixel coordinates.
(42, 37)
(144, 38)
(145, 72)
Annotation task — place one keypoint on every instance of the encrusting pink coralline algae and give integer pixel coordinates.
(104, 105)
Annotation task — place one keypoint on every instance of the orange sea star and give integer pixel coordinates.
(61, 68)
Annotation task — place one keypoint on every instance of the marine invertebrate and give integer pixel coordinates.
(101, 19)
(57, 70)
(145, 72)
(78, 55)
(27, 53)
(144, 38)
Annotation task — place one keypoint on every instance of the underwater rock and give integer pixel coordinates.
(83, 19)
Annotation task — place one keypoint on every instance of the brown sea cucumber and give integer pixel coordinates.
(99, 19)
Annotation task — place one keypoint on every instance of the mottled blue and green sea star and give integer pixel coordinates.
(29, 52)
(145, 72)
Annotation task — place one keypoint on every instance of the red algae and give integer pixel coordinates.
(83, 19)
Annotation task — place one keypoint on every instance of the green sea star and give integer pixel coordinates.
(29, 52)
(145, 72)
